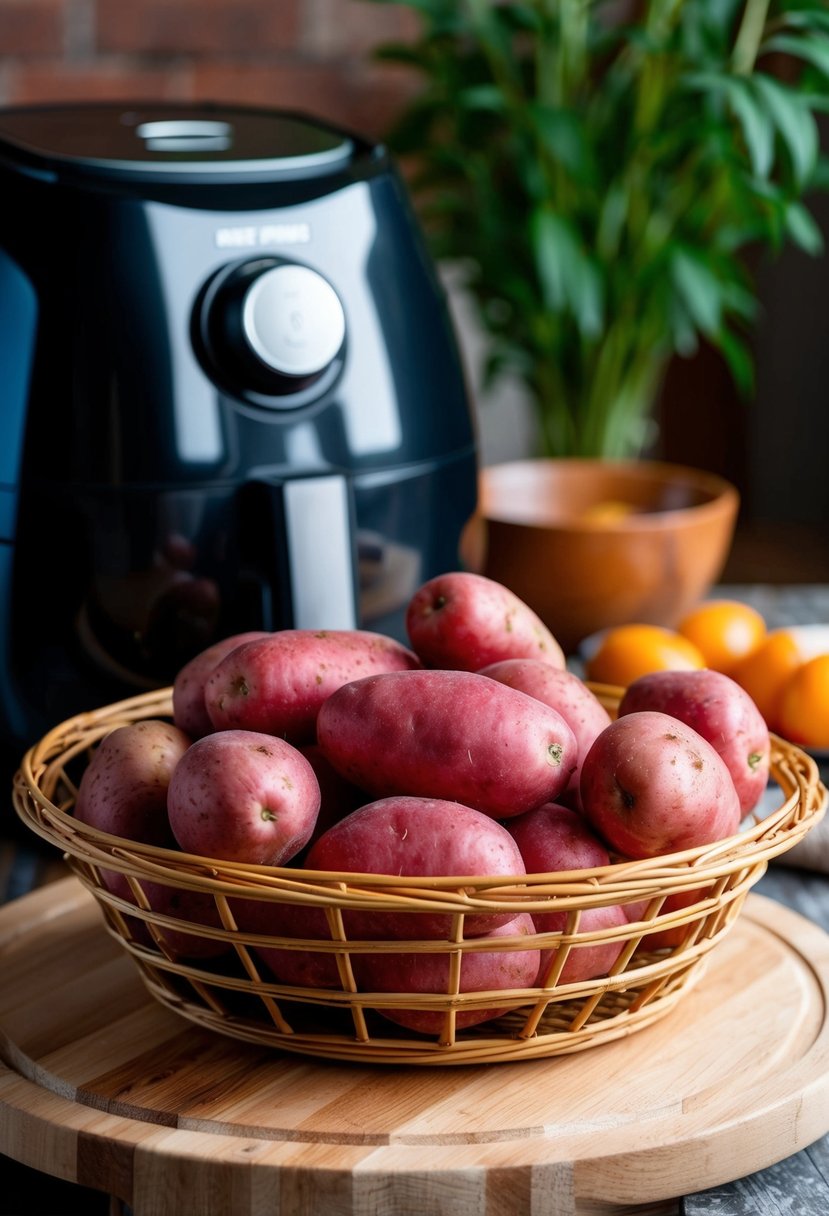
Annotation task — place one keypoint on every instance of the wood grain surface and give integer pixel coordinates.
(103, 1086)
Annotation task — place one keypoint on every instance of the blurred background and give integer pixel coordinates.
(303, 54)
(316, 56)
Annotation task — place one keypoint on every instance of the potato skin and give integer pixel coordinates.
(414, 837)
(189, 711)
(480, 971)
(448, 734)
(666, 938)
(553, 838)
(302, 968)
(464, 621)
(243, 796)
(338, 797)
(277, 684)
(719, 710)
(563, 691)
(587, 961)
(195, 907)
(651, 785)
(123, 790)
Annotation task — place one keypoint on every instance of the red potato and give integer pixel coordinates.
(481, 971)
(299, 967)
(416, 837)
(665, 938)
(719, 710)
(338, 797)
(583, 962)
(553, 838)
(448, 734)
(189, 711)
(652, 785)
(464, 621)
(195, 907)
(123, 790)
(277, 684)
(562, 690)
(243, 796)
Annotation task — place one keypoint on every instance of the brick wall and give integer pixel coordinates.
(312, 55)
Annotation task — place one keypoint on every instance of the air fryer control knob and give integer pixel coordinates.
(271, 327)
(293, 320)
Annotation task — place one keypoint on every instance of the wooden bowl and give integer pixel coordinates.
(590, 543)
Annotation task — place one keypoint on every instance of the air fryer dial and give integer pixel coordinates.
(270, 328)
(293, 320)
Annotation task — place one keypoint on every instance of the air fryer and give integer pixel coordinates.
(231, 395)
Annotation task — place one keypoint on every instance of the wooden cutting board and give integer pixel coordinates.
(102, 1086)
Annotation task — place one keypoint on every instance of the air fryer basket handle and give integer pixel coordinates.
(319, 530)
(310, 565)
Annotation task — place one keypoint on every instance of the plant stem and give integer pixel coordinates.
(556, 435)
(661, 18)
(749, 36)
(501, 68)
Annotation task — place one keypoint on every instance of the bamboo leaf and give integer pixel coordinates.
(562, 135)
(802, 229)
(814, 50)
(568, 279)
(482, 97)
(794, 121)
(683, 331)
(810, 19)
(758, 131)
(739, 301)
(699, 289)
(554, 247)
(740, 360)
(820, 179)
(611, 219)
(757, 128)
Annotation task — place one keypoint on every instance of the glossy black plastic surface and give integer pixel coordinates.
(163, 141)
(144, 489)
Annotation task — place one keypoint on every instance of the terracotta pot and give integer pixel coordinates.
(592, 543)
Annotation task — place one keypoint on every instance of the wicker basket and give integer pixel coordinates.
(235, 994)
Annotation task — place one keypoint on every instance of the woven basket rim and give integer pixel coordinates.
(804, 804)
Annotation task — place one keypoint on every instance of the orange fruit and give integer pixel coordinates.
(725, 631)
(803, 707)
(608, 511)
(626, 652)
(764, 672)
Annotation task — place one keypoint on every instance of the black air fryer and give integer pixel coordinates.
(230, 397)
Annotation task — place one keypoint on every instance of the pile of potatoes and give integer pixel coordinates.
(473, 752)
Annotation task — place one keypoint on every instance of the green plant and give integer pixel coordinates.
(606, 174)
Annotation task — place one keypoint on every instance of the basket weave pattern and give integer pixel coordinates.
(236, 994)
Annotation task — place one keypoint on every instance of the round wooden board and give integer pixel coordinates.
(103, 1086)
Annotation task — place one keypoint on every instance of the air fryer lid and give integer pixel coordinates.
(172, 141)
